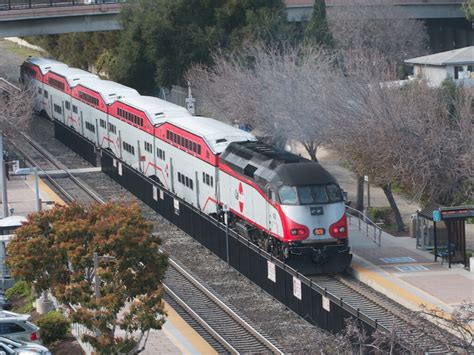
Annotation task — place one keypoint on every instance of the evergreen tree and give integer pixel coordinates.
(165, 37)
(317, 30)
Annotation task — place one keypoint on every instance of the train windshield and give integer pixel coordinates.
(310, 195)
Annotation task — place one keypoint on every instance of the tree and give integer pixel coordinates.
(317, 30)
(81, 50)
(410, 134)
(54, 250)
(277, 91)
(468, 8)
(165, 37)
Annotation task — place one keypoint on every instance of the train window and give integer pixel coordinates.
(288, 195)
(320, 194)
(179, 177)
(305, 195)
(57, 109)
(199, 149)
(103, 124)
(186, 143)
(68, 105)
(203, 177)
(194, 147)
(46, 94)
(334, 193)
(112, 128)
(74, 108)
(191, 184)
(148, 147)
(90, 127)
(40, 91)
(207, 180)
(187, 181)
(167, 134)
(164, 157)
(212, 182)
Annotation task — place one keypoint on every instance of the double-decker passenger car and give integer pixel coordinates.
(288, 205)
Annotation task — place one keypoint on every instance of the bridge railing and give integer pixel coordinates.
(33, 4)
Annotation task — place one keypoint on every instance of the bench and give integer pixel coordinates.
(443, 253)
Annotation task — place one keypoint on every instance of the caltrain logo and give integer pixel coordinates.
(241, 197)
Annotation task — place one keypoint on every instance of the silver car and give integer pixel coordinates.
(17, 327)
(8, 346)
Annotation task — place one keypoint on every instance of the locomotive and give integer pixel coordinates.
(288, 205)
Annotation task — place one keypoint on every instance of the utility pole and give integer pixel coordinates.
(3, 176)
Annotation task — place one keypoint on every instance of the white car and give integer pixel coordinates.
(16, 326)
(8, 346)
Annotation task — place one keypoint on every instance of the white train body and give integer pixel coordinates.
(275, 198)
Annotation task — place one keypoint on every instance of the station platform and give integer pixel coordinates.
(176, 336)
(408, 275)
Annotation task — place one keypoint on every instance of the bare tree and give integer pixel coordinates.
(378, 28)
(405, 134)
(279, 92)
(16, 109)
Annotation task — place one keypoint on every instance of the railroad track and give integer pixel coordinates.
(386, 312)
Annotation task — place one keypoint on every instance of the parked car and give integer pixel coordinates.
(17, 327)
(16, 347)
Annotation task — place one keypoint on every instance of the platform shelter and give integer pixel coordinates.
(450, 246)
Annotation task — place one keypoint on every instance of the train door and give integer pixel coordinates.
(271, 215)
(38, 96)
(47, 102)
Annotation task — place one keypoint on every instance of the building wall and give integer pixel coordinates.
(433, 74)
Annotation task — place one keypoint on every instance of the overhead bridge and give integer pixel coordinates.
(41, 17)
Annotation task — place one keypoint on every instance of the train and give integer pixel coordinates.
(288, 205)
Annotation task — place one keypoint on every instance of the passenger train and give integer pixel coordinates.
(288, 205)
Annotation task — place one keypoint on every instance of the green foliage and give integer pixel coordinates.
(165, 37)
(80, 50)
(19, 289)
(317, 30)
(53, 326)
(55, 248)
(468, 8)
(23, 296)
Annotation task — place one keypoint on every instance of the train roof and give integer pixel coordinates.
(217, 134)
(73, 76)
(265, 163)
(45, 64)
(109, 90)
(157, 110)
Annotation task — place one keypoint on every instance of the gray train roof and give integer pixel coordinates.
(217, 134)
(45, 64)
(267, 164)
(157, 110)
(109, 90)
(73, 76)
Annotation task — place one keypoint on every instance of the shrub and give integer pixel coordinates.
(20, 289)
(53, 326)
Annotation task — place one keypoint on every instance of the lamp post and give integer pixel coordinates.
(27, 171)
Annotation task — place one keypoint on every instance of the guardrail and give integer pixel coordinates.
(34, 4)
(370, 226)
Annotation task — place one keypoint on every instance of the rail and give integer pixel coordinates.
(8, 87)
(362, 218)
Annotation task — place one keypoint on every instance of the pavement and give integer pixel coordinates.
(176, 336)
